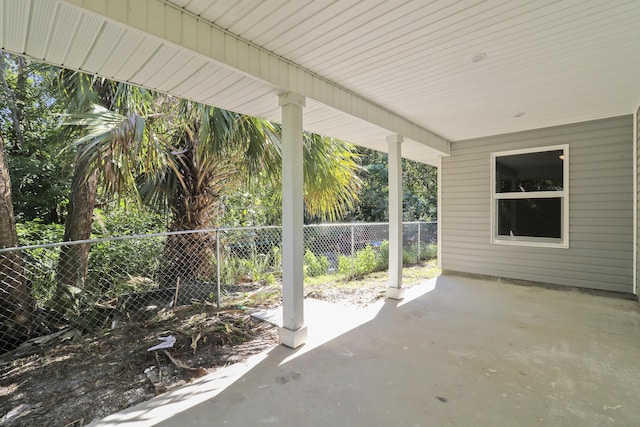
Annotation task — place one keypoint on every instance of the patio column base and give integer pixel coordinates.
(395, 293)
(293, 339)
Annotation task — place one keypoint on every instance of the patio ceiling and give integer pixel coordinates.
(432, 71)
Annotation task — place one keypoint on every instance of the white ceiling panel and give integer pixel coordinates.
(37, 40)
(159, 58)
(189, 70)
(103, 48)
(214, 93)
(140, 54)
(461, 69)
(61, 37)
(84, 35)
(177, 67)
(192, 86)
(16, 20)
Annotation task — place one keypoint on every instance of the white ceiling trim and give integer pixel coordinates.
(171, 24)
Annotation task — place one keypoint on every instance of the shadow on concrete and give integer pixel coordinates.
(457, 351)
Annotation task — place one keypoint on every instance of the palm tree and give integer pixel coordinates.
(80, 92)
(181, 155)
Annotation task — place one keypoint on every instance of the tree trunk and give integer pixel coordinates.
(74, 259)
(16, 98)
(190, 257)
(16, 301)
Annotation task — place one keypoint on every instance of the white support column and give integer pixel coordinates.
(395, 290)
(293, 332)
(440, 217)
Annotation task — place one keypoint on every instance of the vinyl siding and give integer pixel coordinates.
(600, 253)
(637, 207)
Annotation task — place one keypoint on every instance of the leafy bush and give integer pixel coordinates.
(345, 266)
(41, 262)
(125, 222)
(428, 251)
(124, 265)
(365, 262)
(383, 256)
(37, 233)
(409, 256)
(257, 267)
(315, 265)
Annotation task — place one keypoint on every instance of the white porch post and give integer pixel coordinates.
(440, 217)
(293, 332)
(395, 290)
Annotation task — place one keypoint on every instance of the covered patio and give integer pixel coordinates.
(456, 351)
(469, 87)
(463, 86)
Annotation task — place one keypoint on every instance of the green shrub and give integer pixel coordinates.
(125, 222)
(345, 265)
(383, 256)
(364, 262)
(315, 265)
(428, 251)
(409, 255)
(256, 268)
(42, 276)
(37, 233)
(125, 265)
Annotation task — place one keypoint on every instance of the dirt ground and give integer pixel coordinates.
(77, 379)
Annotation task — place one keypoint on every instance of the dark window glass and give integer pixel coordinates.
(542, 171)
(530, 217)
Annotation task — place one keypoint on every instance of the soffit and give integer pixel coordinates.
(555, 61)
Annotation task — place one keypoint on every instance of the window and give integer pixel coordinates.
(530, 197)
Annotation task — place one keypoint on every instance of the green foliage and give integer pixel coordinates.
(30, 128)
(428, 251)
(315, 265)
(420, 191)
(124, 265)
(114, 266)
(383, 256)
(256, 267)
(365, 261)
(42, 278)
(409, 256)
(419, 182)
(123, 221)
(257, 204)
(36, 232)
(43, 284)
(345, 266)
(370, 259)
(39, 185)
(374, 194)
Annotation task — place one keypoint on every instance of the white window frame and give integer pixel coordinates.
(563, 194)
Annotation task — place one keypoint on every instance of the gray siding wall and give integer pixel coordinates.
(637, 179)
(600, 255)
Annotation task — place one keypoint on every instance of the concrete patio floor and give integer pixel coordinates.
(456, 352)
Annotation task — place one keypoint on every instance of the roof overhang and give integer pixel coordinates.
(157, 45)
(429, 71)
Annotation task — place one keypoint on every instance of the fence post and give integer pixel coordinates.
(419, 224)
(218, 265)
(353, 253)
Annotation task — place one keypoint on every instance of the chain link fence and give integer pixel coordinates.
(95, 284)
